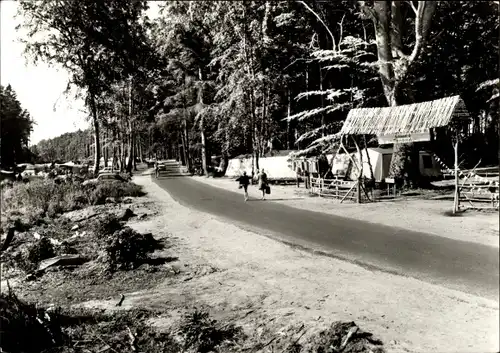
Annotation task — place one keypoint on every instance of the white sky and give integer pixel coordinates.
(39, 87)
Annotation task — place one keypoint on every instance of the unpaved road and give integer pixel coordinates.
(464, 266)
(271, 289)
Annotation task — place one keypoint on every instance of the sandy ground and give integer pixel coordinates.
(267, 286)
(427, 216)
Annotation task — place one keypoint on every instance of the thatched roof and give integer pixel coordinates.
(404, 119)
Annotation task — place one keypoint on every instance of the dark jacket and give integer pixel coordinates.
(243, 179)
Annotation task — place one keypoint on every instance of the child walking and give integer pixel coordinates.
(244, 181)
(263, 184)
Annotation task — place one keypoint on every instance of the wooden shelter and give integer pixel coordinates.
(409, 119)
(408, 123)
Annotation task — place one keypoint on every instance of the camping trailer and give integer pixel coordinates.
(380, 160)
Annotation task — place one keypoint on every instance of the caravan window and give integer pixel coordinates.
(427, 161)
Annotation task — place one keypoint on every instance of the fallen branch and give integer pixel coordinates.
(8, 239)
(121, 300)
(298, 339)
(88, 217)
(103, 341)
(248, 313)
(351, 332)
(132, 339)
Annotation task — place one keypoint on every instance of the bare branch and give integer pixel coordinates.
(322, 22)
(412, 6)
(341, 24)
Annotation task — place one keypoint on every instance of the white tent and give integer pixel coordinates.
(277, 167)
(380, 160)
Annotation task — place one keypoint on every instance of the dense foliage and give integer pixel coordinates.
(15, 128)
(245, 77)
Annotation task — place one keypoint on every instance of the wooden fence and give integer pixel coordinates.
(337, 188)
(485, 193)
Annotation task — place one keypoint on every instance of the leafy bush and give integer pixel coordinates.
(115, 189)
(343, 337)
(127, 248)
(41, 250)
(204, 334)
(43, 197)
(107, 225)
(40, 198)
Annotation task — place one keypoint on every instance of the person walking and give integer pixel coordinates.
(156, 168)
(244, 181)
(263, 184)
(298, 174)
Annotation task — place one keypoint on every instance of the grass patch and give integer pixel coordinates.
(37, 199)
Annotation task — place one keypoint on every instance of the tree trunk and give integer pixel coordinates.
(95, 121)
(186, 145)
(105, 148)
(202, 126)
(184, 149)
(225, 163)
(388, 23)
(113, 165)
(288, 132)
(134, 150)
(130, 130)
(203, 147)
(122, 153)
(141, 155)
(323, 132)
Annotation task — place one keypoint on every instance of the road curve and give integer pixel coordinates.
(464, 266)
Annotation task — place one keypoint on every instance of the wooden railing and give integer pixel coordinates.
(480, 193)
(336, 188)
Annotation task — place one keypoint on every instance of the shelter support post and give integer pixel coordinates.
(336, 186)
(456, 204)
(358, 191)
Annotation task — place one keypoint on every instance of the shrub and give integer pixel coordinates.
(127, 248)
(204, 334)
(41, 250)
(43, 197)
(115, 189)
(107, 225)
(344, 337)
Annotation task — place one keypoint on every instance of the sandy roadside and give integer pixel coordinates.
(262, 283)
(422, 215)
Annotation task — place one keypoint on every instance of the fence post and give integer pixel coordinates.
(336, 186)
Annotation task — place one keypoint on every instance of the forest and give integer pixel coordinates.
(218, 78)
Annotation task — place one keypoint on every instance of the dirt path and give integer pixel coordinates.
(265, 285)
(427, 216)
